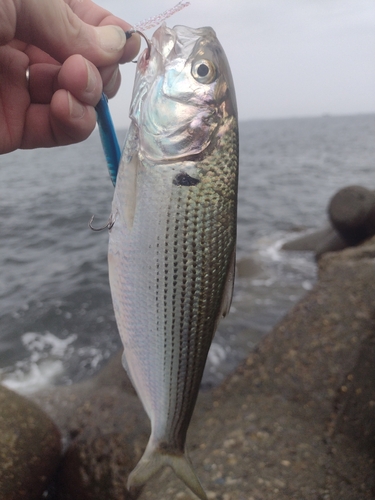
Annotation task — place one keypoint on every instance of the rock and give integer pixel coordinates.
(319, 242)
(354, 408)
(247, 268)
(319, 340)
(296, 420)
(30, 448)
(98, 462)
(106, 431)
(352, 213)
(280, 428)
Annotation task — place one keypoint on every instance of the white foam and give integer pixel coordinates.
(263, 282)
(216, 354)
(37, 377)
(43, 366)
(271, 250)
(95, 354)
(283, 264)
(47, 342)
(307, 285)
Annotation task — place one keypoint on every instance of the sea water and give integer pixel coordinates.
(56, 320)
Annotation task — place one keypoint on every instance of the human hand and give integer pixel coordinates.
(72, 49)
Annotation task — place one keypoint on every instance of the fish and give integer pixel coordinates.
(172, 238)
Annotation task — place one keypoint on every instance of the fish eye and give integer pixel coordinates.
(203, 71)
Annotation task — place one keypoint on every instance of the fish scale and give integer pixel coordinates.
(171, 259)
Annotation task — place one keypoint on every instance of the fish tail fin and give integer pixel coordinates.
(153, 460)
(184, 470)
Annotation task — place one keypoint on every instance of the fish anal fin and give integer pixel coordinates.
(125, 365)
(153, 460)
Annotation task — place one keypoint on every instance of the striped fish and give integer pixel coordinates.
(173, 235)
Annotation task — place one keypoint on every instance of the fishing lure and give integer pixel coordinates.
(108, 137)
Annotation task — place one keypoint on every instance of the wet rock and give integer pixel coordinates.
(319, 242)
(296, 420)
(319, 340)
(352, 213)
(247, 268)
(352, 219)
(354, 409)
(98, 462)
(30, 448)
(280, 428)
(106, 431)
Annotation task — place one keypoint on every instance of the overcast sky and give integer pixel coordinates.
(289, 58)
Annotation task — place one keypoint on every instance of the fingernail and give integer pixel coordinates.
(91, 78)
(111, 86)
(75, 108)
(111, 38)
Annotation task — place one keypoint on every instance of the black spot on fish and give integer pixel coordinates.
(183, 179)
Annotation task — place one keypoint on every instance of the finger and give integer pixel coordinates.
(14, 97)
(77, 75)
(82, 79)
(42, 82)
(65, 34)
(133, 44)
(64, 121)
(8, 19)
(37, 55)
(111, 77)
(92, 14)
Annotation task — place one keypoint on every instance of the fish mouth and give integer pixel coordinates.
(180, 39)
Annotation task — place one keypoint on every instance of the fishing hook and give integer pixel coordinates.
(108, 226)
(129, 33)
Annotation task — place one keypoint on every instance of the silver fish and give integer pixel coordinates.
(173, 235)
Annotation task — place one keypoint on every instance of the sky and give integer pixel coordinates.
(289, 58)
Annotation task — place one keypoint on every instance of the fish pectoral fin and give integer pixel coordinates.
(228, 289)
(126, 188)
(130, 181)
(153, 460)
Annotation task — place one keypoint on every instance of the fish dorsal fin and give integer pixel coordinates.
(228, 289)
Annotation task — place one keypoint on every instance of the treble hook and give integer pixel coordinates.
(108, 226)
(129, 33)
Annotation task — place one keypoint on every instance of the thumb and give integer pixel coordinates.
(52, 26)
